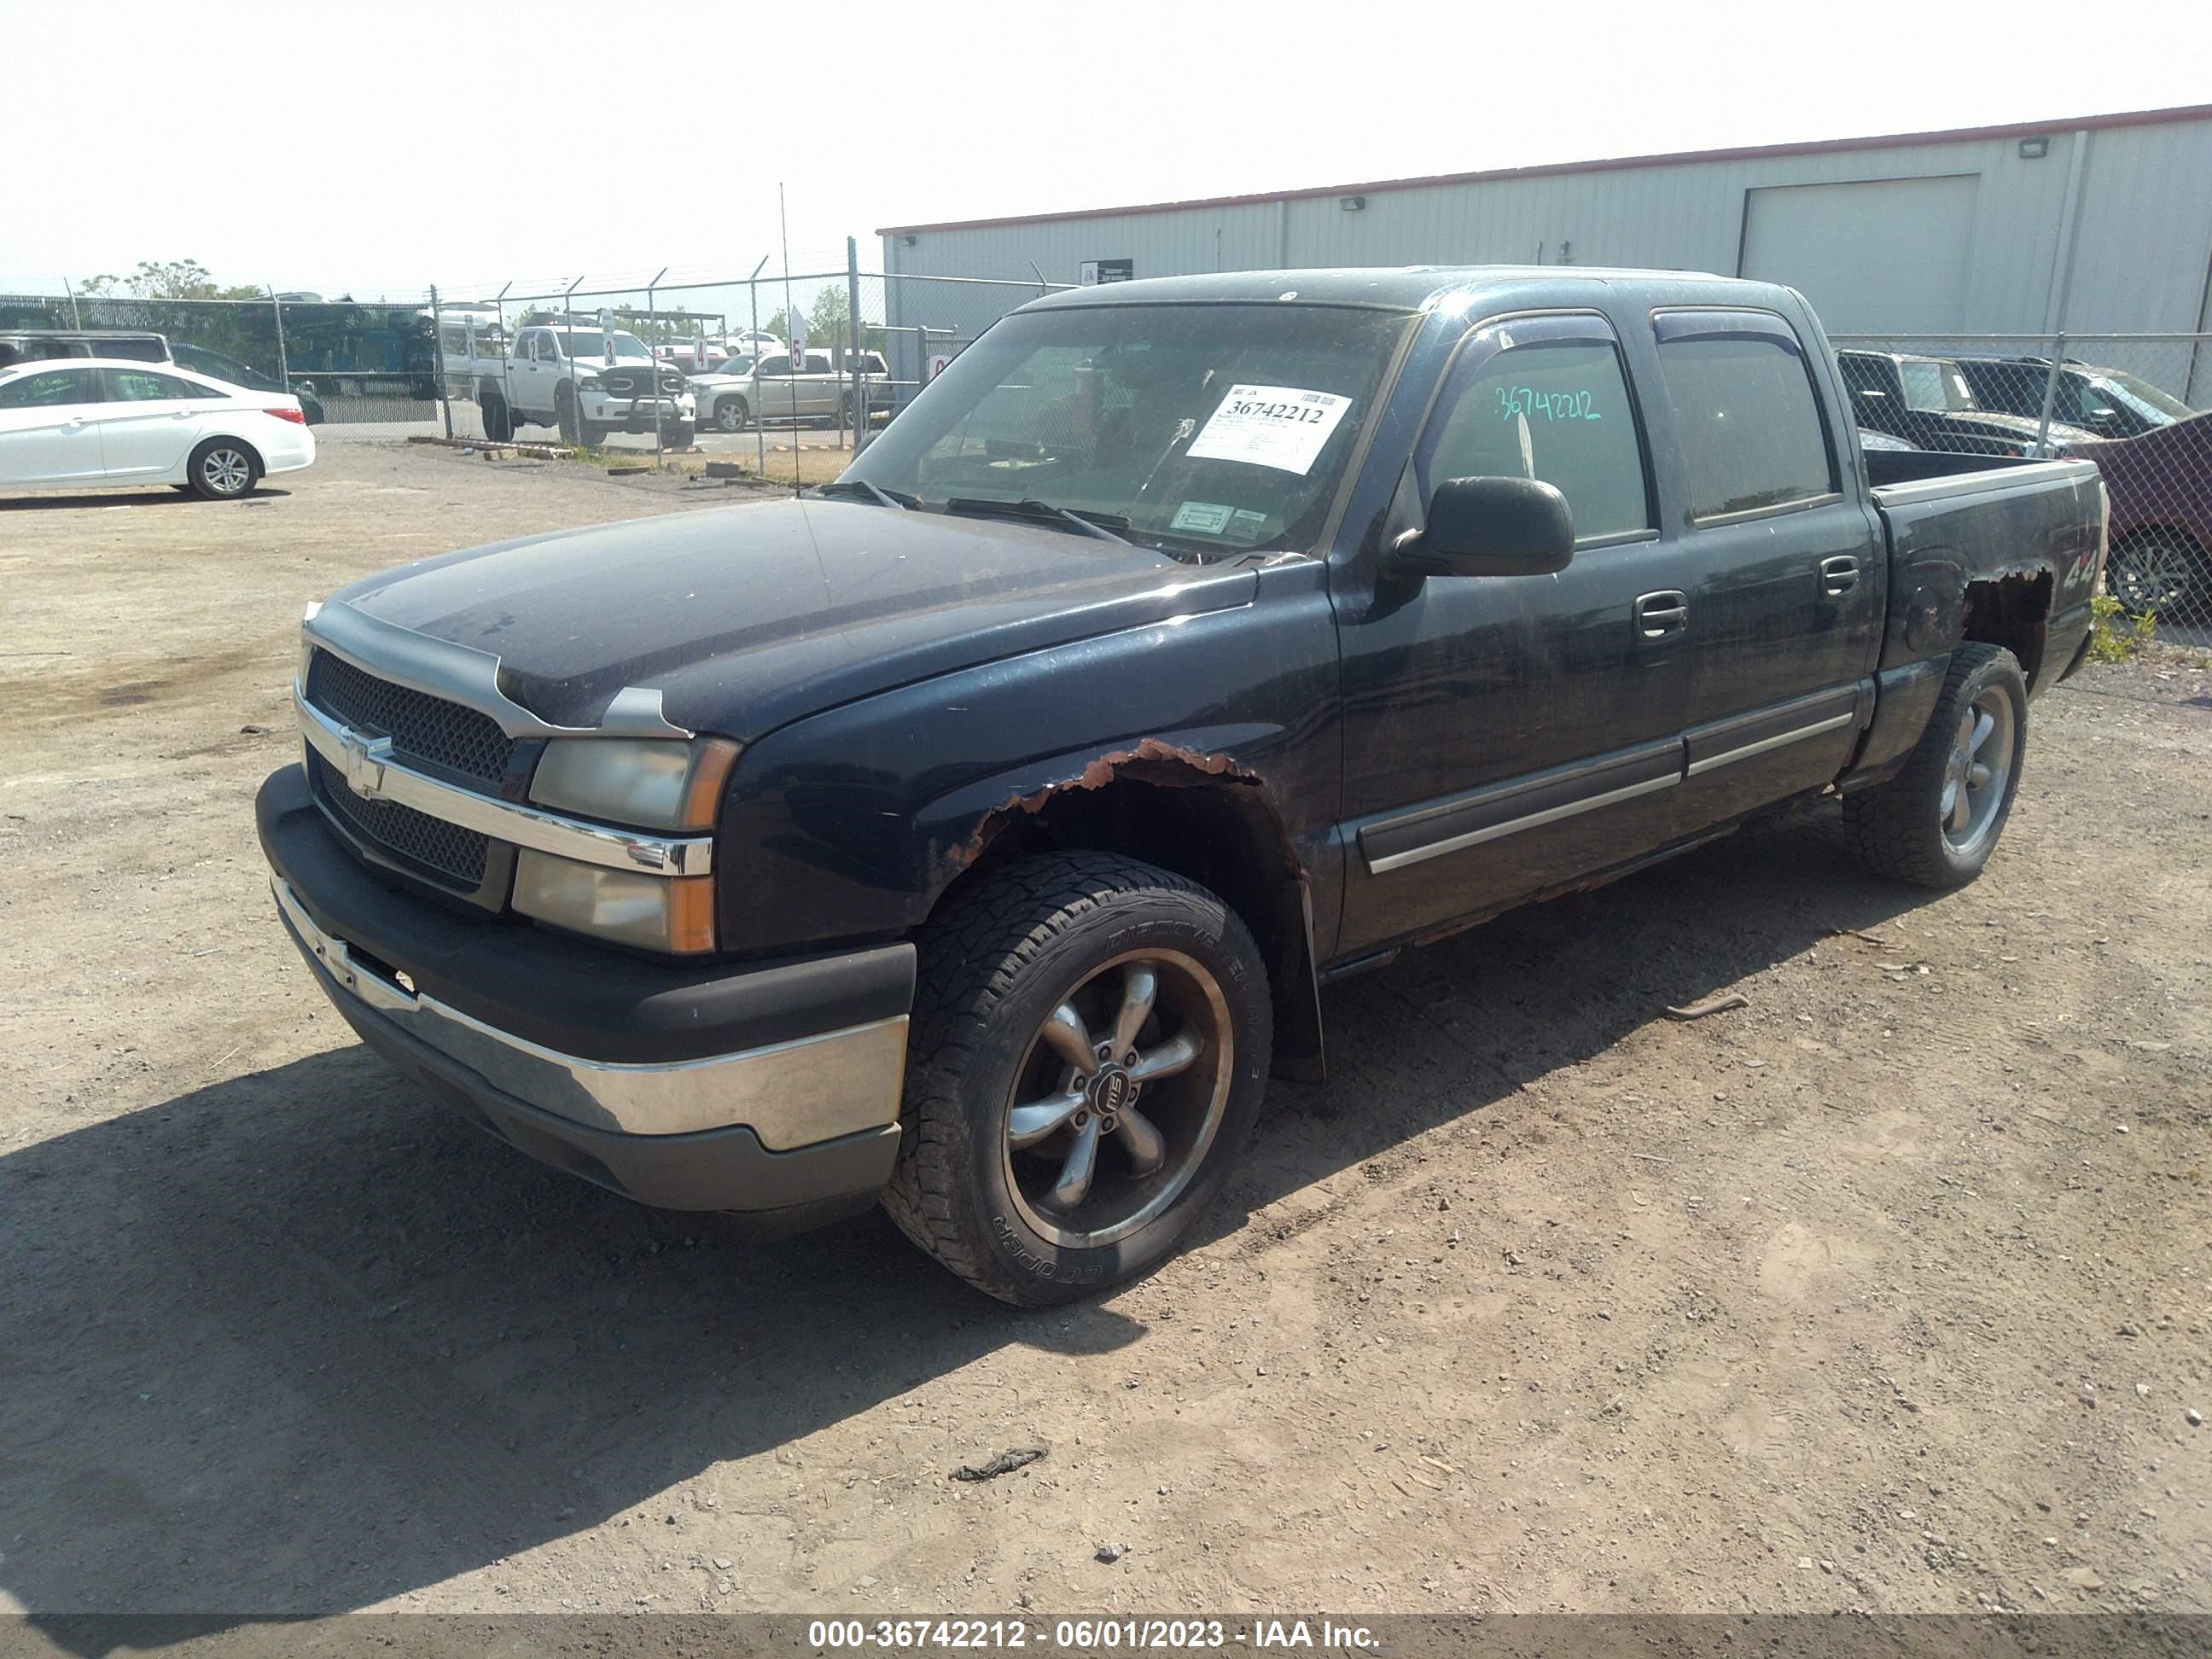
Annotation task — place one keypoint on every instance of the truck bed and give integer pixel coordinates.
(1958, 520)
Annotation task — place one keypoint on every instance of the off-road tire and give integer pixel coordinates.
(1896, 829)
(994, 962)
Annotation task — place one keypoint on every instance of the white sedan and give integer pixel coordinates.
(99, 421)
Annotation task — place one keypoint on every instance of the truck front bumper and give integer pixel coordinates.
(635, 415)
(772, 1091)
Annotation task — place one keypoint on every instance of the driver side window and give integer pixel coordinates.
(1558, 410)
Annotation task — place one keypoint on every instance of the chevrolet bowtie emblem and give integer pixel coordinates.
(364, 763)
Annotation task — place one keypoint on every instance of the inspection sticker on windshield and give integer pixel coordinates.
(1276, 426)
(1207, 516)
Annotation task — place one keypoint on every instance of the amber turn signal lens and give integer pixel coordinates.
(710, 771)
(691, 914)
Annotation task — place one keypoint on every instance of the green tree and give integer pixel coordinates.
(172, 279)
(829, 322)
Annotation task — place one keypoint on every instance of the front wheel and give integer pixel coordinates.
(564, 414)
(222, 470)
(498, 422)
(1936, 823)
(731, 415)
(1090, 1047)
(678, 434)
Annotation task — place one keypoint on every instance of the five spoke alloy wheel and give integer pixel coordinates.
(1936, 821)
(1119, 1099)
(1089, 1048)
(1978, 770)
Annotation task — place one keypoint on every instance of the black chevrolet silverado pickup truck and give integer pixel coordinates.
(975, 833)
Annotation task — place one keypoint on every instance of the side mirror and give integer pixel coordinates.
(1493, 526)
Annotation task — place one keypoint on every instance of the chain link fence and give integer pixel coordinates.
(2132, 403)
(350, 362)
(784, 374)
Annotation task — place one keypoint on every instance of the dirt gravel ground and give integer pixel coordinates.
(1887, 1291)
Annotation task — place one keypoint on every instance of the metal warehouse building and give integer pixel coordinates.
(2099, 224)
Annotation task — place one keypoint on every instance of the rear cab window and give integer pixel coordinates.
(1752, 434)
(1545, 397)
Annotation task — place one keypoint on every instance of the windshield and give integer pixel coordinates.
(1218, 427)
(588, 342)
(2159, 408)
(1932, 385)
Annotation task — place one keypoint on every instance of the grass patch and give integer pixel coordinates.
(2115, 636)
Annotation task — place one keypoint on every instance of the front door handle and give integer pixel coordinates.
(1658, 615)
(1839, 575)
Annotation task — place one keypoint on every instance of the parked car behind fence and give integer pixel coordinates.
(2109, 402)
(2160, 483)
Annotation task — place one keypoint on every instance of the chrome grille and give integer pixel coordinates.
(421, 727)
(444, 850)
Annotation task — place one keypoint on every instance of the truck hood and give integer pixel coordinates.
(747, 617)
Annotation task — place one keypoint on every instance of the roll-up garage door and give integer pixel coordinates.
(1874, 256)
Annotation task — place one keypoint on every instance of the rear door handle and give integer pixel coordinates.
(1839, 575)
(1658, 615)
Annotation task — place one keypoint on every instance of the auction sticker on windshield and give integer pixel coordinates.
(1276, 426)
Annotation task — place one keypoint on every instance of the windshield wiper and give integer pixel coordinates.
(1093, 525)
(867, 491)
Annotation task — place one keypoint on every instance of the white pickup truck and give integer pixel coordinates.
(560, 377)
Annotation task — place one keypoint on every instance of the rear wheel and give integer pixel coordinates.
(222, 469)
(2154, 572)
(1937, 822)
(731, 415)
(1089, 1049)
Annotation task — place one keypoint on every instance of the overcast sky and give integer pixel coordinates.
(380, 147)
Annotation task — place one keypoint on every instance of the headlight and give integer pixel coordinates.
(654, 913)
(644, 783)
